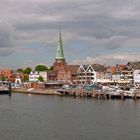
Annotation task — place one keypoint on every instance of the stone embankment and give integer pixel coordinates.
(35, 91)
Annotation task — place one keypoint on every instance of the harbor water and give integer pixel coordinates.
(35, 117)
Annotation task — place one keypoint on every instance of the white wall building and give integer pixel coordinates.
(44, 75)
(104, 77)
(86, 74)
(136, 76)
(33, 76)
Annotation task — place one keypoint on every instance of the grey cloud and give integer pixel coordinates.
(6, 35)
(6, 51)
(106, 24)
(7, 38)
(115, 58)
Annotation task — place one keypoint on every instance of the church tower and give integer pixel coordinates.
(60, 59)
(60, 53)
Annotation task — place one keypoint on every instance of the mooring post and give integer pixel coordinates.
(10, 89)
(135, 95)
(122, 96)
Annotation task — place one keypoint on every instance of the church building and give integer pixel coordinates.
(61, 71)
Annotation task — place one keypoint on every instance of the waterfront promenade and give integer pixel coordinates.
(80, 93)
(100, 94)
(36, 91)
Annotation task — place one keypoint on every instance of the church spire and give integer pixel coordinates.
(59, 53)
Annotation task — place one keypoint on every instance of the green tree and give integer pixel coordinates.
(25, 78)
(27, 70)
(20, 70)
(51, 68)
(40, 78)
(41, 68)
(3, 78)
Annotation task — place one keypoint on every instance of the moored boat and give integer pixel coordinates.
(4, 90)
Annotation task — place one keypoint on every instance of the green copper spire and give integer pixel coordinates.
(59, 53)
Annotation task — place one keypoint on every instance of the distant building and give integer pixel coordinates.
(61, 71)
(116, 69)
(104, 77)
(6, 73)
(59, 67)
(86, 74)
(16, 77)
(136, 75)
(33, 76)
(52, 75)
(43, 74)
(116, 77)
(127, 75)
(133, 66)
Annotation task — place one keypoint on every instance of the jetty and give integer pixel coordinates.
(101, 94)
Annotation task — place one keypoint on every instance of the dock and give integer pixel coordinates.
(99, 94)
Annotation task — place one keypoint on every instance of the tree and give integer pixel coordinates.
(41, 68)
(3, 78)
(20, 70)
(25, 78)
(40, 78)
(27, 70)
(51, 68)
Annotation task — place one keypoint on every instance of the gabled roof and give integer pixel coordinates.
(120, 67)
(133, 65)
(111, 69)
(90, 68)
(81, 68)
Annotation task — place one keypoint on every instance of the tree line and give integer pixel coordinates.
(37, 68)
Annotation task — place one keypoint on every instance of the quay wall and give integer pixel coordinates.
(76, 93)
(35, 91)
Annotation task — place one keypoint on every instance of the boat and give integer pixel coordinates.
(4, 90)
(5, 87)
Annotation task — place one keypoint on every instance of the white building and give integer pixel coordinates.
(136, 76)
(86, 74)
(44, 75)
(33, 76)
(116, 78)
(104, 77)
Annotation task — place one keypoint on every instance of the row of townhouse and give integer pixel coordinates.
(73, 73)
(130, 73)
(83, 74)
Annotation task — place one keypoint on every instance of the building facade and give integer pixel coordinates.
(136, 75)
(86, 74)
(5, 74)
(33, 76)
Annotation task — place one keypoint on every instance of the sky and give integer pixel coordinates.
(93, 31)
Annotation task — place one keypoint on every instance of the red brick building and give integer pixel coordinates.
(62, 71)
(6, 73)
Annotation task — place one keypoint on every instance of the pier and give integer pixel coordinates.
(99, 94)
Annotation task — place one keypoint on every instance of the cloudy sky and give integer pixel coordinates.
(93, 31)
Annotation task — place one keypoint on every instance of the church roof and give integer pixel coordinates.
(72, 68)
(59, 53)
